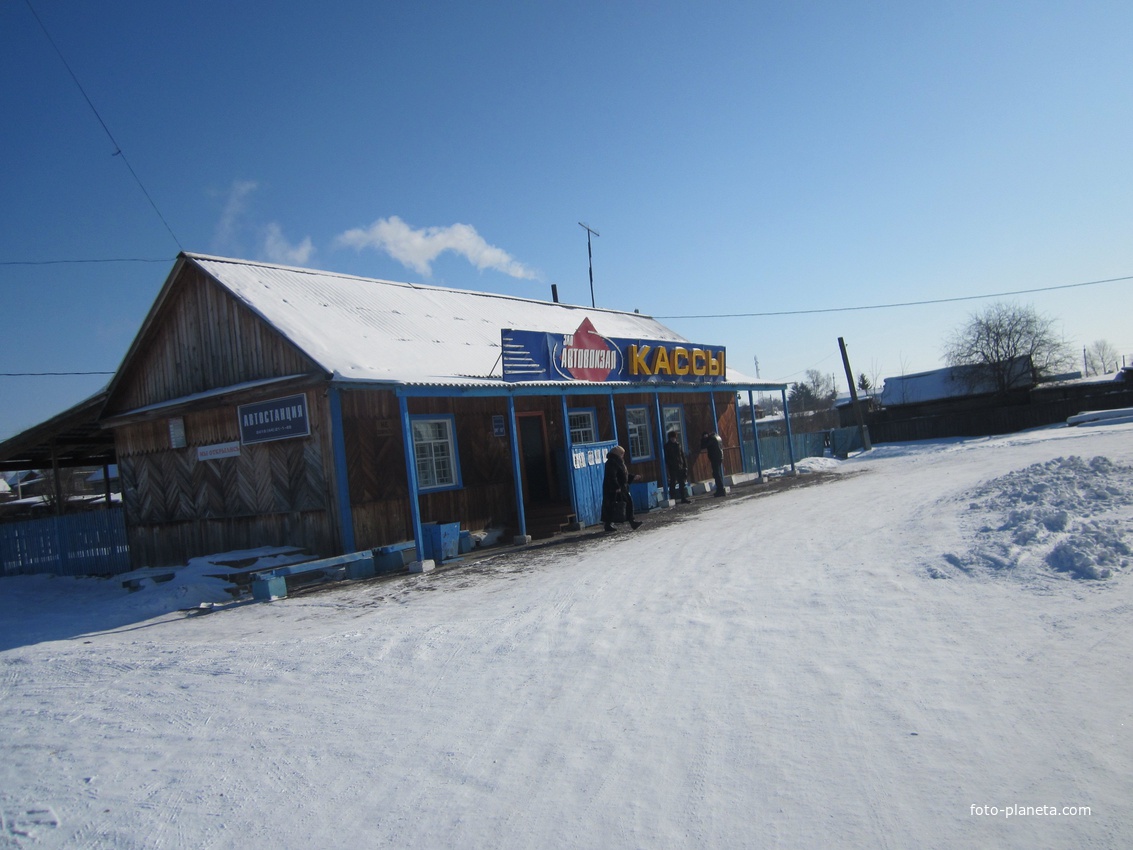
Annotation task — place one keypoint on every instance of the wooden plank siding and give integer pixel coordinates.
(697, 418)
(375, 452)
(201, 339)
(272, 494)
(279, 493)
(376, 455)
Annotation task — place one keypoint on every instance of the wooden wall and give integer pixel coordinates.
(280, 492)
(698, 418)
(200, 339)
(375, 454)
(272, 494)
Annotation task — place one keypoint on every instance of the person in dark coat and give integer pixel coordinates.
(615, 488)
(711, 443)
(676, 465)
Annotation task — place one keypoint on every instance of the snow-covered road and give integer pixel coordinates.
(839, 665)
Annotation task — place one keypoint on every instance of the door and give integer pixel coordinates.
(534, 456)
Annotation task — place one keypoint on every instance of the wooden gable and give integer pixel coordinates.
(198, 337)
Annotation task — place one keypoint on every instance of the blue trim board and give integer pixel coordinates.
(548, 389)
(517, 472)
(411, 478)
(342, 482)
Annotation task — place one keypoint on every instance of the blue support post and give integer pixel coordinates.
(411, 478)
(342, 482)
(662, 438)
(569, 456)
(740, 431)
(755, 436)
(790, 439)
(614, 417)
(515, 467)
(715, 419)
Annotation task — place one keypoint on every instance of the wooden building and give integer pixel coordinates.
(265, 405)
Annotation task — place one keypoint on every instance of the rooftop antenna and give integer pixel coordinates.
(590, 256)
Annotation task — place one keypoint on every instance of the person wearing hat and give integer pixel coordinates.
(711, 443)
(617, 504)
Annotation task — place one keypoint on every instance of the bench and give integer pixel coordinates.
(394, 557)
(272, 584)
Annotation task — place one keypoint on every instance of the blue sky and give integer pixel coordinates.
(736, 158)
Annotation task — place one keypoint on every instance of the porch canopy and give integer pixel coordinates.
(70, 439)
(471, 388)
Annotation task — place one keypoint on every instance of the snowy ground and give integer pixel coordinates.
(894, 657)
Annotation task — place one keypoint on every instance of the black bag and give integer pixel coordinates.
(617, 509)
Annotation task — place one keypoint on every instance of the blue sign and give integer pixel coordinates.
(585, 355)
(278, 419)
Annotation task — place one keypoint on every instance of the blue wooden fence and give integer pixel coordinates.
(588, 469)
(774, 453)
(86, 544)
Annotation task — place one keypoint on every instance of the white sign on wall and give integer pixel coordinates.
(218, 451)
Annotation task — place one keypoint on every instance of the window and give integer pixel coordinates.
(674, 418)
(637, 427)
(583, 427)
(434, 446)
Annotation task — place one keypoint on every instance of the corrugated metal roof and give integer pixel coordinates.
(375, 330)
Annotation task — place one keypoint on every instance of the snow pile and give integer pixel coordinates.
(818, 464)
(202, 583)
(1068, 514)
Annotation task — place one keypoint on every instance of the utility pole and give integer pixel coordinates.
(862, 432)
(590, 257)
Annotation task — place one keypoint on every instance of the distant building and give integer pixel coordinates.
(951, 383)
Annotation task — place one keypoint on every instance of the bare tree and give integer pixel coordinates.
(875, 376)
(1102, 358)
(996, 338)
(820, 389)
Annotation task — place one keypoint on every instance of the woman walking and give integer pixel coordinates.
(617, 504)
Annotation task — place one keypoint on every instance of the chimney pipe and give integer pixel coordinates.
(555, 293)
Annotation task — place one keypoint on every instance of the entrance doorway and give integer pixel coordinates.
(535, 457)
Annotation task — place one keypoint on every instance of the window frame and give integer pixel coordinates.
(592, 414)
(644, 412)
(449, 422)
(680, 411)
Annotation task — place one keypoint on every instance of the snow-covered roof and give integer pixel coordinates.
(361, 329)
(950, 382)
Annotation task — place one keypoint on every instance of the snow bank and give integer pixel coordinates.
(1062, 514)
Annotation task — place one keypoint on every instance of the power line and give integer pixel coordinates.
(897, 304)
(47, 374)
(117, 148)
(76, 262)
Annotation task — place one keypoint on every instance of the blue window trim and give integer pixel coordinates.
(679, 406)
(593, 411)
(648, 431)
(451, 419)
